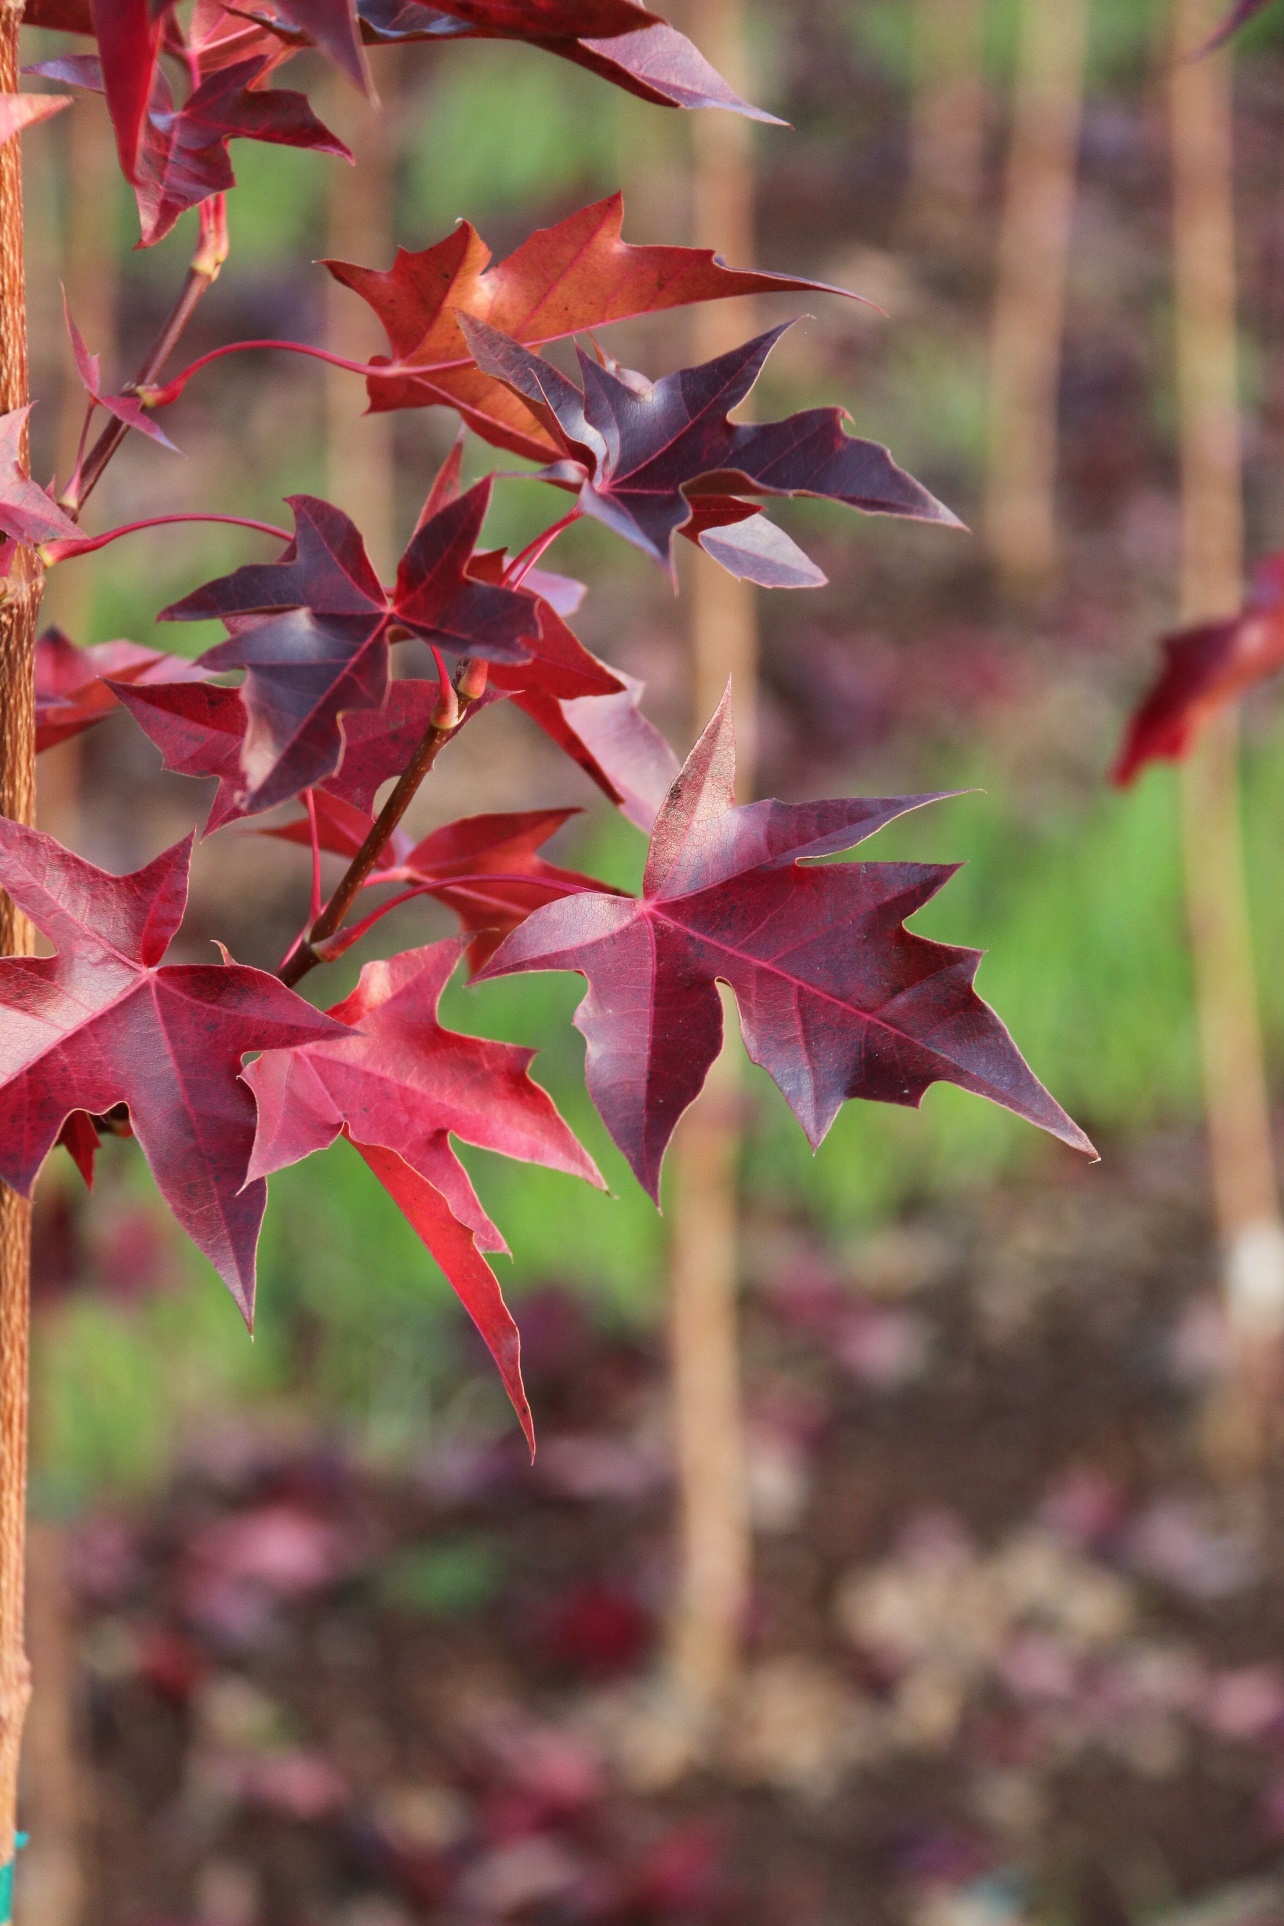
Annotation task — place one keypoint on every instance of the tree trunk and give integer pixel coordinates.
(359, 450)
(715, 1544)
(1239, 1133)
(18, 612)
(947, 120)
(1030, 298)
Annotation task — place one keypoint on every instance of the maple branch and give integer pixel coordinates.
(51, 552)
(335, 946)
(200, 278)
(307, 954)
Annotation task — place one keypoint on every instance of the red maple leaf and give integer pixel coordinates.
(72, 690)
(312, 632)
(27, 512)
(1204, 669)
(632, 448)
(837, 999)
(126, 408)
(129, 36)
(613, 743)
(200, 730)
(181, 158)
(655, 61)
(18, 111)
(486, 869)
(565, 280)
(103, 1022)
(399, 1090)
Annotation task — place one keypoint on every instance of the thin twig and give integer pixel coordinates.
(306, 956)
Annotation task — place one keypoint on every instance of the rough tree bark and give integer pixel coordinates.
(947, 120)
(715, 1543)
(18, 613)
(1030, 296)
(1241, 1155)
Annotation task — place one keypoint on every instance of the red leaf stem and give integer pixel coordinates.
(67, 550)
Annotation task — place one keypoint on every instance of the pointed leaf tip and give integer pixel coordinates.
(837, 999)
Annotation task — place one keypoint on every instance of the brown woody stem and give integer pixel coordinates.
(200, 278)
(309, 952)
(19, 607)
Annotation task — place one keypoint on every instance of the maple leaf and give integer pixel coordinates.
(487, 869)
(837, 999)
(79, 1138)
(631, 448)
(399, 1091)
(589, 710)
(312, 632)
(182, 157)
(62, 16)
(1205, 668)
(19, 111)
(613, 743)
(126, 408)
(72, 687)
(568, 279)
(739, 537)
(200, 730)
(104, 1022)
(333, 26)
(655, 61)
(27, 512)
(129, 35)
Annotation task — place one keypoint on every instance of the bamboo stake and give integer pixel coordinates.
(947, 119)
(715, 1544)
(1245, 1197)
(359, 449)
(1030, 298)
(18, 613)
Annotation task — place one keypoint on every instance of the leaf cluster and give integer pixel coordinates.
(318, 697)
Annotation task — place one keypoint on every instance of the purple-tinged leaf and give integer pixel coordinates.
(837, 999)
(635, 451)
(104, 1022)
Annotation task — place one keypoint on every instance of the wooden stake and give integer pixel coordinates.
(359, 448)
(1030, 298)
(51, 1892)
(1245, 1197)
(947, 119)
(715, 1544)
(18, 613)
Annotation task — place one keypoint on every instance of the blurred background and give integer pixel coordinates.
(313, 1642)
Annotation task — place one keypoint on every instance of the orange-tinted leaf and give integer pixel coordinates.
(580, 274)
